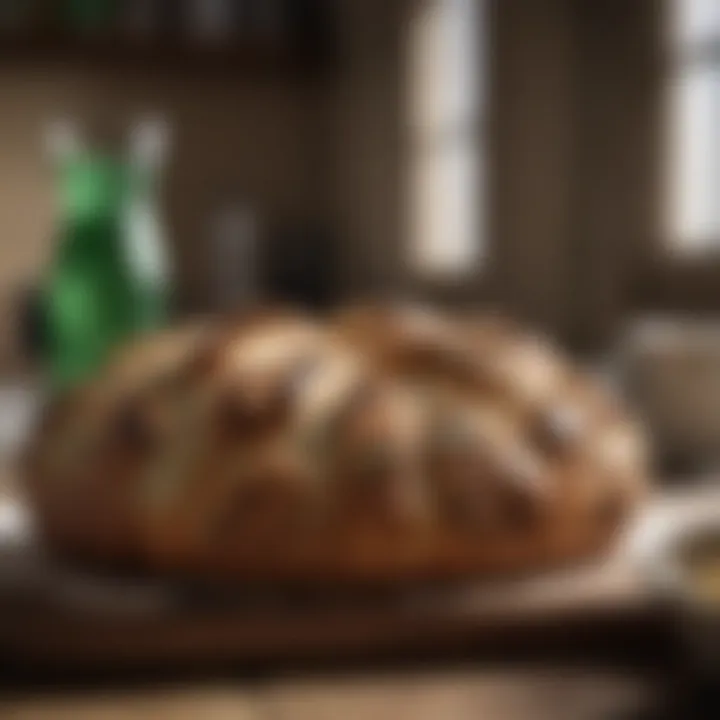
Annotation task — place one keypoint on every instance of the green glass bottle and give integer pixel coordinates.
(94, 298)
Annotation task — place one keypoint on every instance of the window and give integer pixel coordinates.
(694, 143)
(445, 116)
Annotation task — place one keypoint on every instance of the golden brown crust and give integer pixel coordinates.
(388, 445)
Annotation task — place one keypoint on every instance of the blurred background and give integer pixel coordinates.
(558, 159)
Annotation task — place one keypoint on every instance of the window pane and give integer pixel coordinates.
(444, 78)
(695, 21)
(694, 154)
(445, 189)
(446, 210)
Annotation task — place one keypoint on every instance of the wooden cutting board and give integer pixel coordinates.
(54, 615)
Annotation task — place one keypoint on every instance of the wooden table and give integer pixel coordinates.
(576, 644)
(429, 695)
(59, 618)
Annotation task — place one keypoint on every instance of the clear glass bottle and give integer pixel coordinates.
(212, 22)
(233, 242)
(144, 20)
(144, 234)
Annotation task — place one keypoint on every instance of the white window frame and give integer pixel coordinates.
(446, 168)
(692, 138)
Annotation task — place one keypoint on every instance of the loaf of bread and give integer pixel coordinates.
(384, 445)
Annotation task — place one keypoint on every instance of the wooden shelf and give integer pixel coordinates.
(111, 53)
